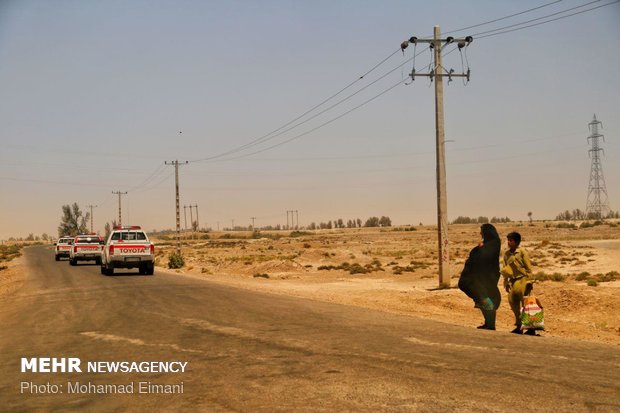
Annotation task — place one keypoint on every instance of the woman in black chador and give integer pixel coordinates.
(481, 274)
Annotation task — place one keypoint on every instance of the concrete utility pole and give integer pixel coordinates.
(297, 219)
(233, 225)
(197, 221)
(437, 74)
(191, 220)
(292, 212)
(176, 185)
(119, 193)
(185, 217)
(91, 216)
(253, 218)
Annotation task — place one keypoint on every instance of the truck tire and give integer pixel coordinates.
(98, 261)
(57, 258)
(150, 269)
(72, 261)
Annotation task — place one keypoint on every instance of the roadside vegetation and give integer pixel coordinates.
(8, 253)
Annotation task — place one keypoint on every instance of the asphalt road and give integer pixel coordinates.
(254, 352)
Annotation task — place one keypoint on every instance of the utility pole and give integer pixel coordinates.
(91, 216)
(437, 74)
(253, 218)
(197, 221)
(292, 226)
(191, 220)
(185, 217)
(119, 193)
(233, 224)
(297, 218)
(176, 185)
(597, 203)
(218, 225)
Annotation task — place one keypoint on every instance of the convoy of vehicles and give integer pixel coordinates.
(126, 247)
(86, 247)
(63, 247)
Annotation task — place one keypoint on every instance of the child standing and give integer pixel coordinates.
(517, 271)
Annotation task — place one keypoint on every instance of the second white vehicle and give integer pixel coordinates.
(86, 247)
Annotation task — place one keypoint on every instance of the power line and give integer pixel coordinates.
(279, 131)
(315, 115)
(543, 22)
(149, 178)
(503, 18)
(385, 91)
(266, 136)
(317, 127)
(164, 179)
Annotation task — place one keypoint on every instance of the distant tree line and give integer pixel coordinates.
(579, 215)
(480, 220)
(32, 237)
(352, 223)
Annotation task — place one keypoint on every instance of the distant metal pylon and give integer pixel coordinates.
(597, 204)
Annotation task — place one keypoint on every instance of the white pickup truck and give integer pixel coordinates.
(86, 247)
(63, 247)
(128, 247)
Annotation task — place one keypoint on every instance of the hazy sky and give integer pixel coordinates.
(93, 95)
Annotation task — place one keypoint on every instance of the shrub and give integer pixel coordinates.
(295, 234)
(176, 260)
(261, 275)
(566, 225)
(556, 276)
(8, 252)
(610, 276)
(582, 276)
(358, 269)
(306, 245)
(397, 270)
(592, 282)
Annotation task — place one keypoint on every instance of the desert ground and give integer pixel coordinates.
(395, 270)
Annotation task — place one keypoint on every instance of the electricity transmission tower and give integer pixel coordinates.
(597, 204)
(438, 73)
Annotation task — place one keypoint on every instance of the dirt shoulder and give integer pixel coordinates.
(11, 277)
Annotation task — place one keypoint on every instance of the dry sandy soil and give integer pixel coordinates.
(402, 275)
(402, 271)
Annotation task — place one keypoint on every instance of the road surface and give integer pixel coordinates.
(255, 352)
